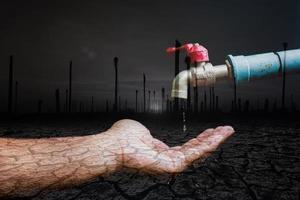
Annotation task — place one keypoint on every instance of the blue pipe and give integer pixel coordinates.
(247, 68)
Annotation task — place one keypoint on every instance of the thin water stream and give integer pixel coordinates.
(183, 122)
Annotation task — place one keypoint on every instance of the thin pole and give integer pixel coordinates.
(177, 44)
(107, 108)
(136, 100)
(196, 99)
(92, 106)
(144, 87)
(217, 103)
(57, 98)
(16, 97)
(168, 106)
(154, 103)
(66, 100)
(213, 98)
(196, 94)
(10, 84)
(205, 101)
(80, 106)
(283, 77)
(188, 62)
(162, 99)
(210, 99)
(116, 83)
(70, 87)
(40, 102)
(119, 108)
(149, 96)
(234, 96)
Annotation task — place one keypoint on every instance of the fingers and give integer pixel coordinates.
(205, 143)
(176, 159)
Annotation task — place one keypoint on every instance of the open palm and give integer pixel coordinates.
(141, 151)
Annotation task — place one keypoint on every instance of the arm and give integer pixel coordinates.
(28, 166)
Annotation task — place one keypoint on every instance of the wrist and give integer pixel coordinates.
(109, 150)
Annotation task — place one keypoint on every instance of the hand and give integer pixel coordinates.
(139, 150)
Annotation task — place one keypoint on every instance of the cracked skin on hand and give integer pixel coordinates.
(28, 166)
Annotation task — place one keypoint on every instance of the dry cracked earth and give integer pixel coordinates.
(260, 161)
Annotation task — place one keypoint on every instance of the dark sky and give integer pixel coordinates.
(45, 35)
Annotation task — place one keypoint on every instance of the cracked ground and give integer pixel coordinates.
(260, 161)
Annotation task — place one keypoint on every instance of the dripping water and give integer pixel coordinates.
(183, 121)
(184, 127)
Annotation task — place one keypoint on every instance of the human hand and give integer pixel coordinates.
(139, 150)
(28, 166)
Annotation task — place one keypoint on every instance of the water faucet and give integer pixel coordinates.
(239, 68)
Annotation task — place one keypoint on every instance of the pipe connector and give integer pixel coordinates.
(204, 74)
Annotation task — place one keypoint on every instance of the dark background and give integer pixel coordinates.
(44, 36)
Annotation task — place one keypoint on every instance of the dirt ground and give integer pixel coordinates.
(260, 161)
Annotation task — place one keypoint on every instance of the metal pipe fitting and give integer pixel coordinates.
(204, 74)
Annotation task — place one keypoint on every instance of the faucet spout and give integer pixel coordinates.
(180, 84)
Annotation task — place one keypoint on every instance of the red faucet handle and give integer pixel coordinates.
(196, 52)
